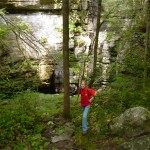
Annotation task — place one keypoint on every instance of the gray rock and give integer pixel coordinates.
(45, 70)
(60, 138)
(140, 143)
(30, 5)
(66, 134)
(133, 122)
(50, 123)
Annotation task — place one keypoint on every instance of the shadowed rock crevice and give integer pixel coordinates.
(49, 88)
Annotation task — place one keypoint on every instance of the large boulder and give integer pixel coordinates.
(133, 122)
(140, 143)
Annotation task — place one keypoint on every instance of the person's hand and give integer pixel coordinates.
(91, 99)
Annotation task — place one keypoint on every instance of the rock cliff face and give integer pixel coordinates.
(42, 44)
(27, 55)
(30, 5)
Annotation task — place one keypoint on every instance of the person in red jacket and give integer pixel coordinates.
(87, 96)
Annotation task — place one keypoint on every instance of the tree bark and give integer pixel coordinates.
(66, 112)
(146, 43)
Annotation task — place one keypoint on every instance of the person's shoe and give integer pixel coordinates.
(84, 133)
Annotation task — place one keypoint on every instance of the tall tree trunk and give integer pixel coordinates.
(96, 42)
(65, 10)
(146, 43)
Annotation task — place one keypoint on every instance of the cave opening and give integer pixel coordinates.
(48, 88)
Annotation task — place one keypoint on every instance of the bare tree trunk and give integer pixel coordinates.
(96, 41)
(146, 43)
(66, 112)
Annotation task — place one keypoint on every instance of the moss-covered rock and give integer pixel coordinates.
(133, 122)
(140, 143)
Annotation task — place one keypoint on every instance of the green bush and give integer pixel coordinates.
(22, 119)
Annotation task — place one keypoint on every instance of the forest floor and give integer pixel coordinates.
(37, 118)
(78, 141)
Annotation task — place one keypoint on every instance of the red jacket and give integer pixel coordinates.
(86, 94)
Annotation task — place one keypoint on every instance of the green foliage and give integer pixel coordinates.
(2, 11)
(72, 28)
(15, 24)
(75, 29)
(4, 30)
(20, 26)
(16, 76)
(17, 122)
(84, 142)
(59, 30)
(118, 140)
(21, 77)
(73, 62)
(60, 130)
(127, 92)
(76, 19)
(129, 22)
(22, 119)
(35, 140)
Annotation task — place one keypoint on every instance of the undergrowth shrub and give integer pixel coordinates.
(22, 119)
(9, 87)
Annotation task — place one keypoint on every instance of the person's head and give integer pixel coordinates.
(83, 84)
